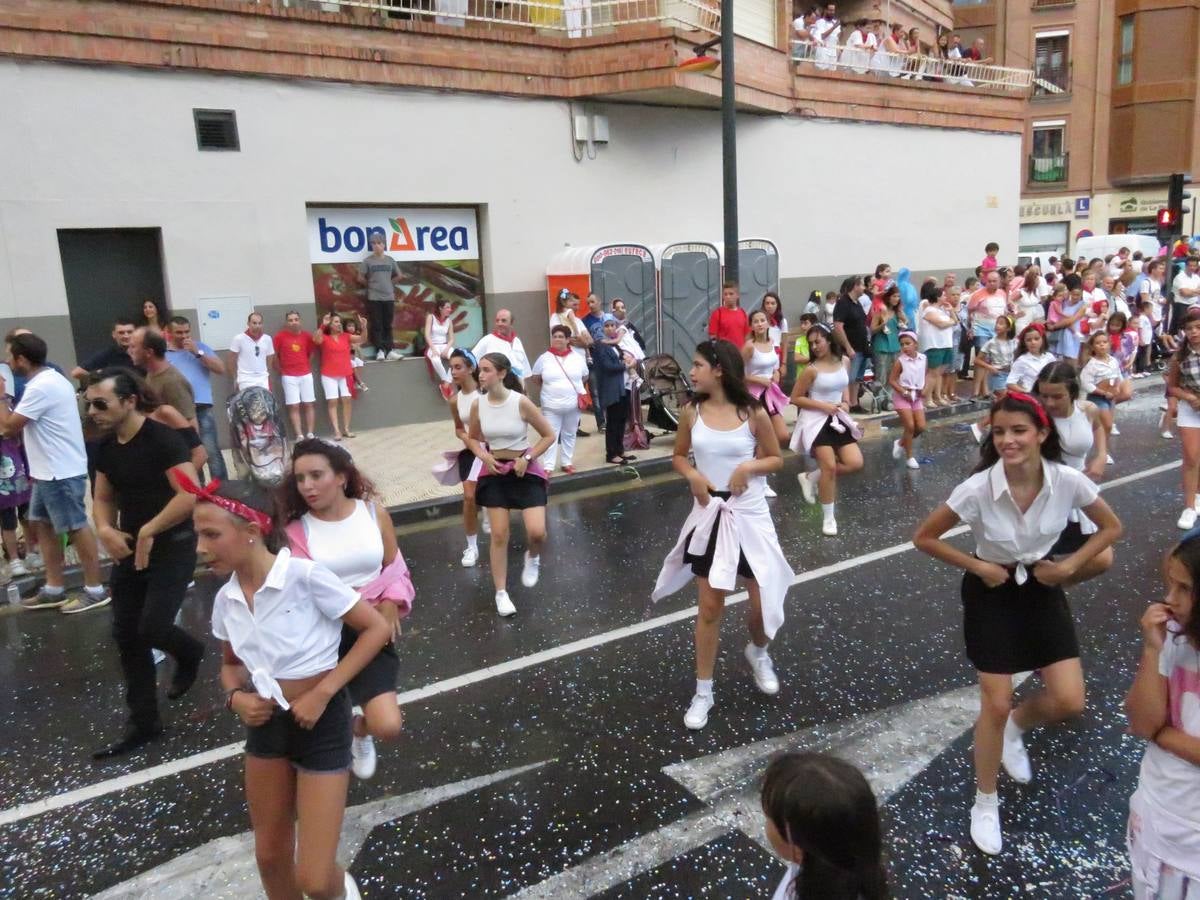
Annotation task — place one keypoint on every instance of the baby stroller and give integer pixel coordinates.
(665, 389)
(259, 438)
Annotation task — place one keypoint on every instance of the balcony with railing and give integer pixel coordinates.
(1051, 81)
(1048, 170)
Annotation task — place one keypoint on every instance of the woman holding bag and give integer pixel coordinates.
(562, 375)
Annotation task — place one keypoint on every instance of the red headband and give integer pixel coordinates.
(208, 494)
(1034, 326)
(1034, 402)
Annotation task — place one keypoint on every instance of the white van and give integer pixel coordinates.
(1104, 245)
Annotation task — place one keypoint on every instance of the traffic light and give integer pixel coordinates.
(1167, 221)
(1170, 217)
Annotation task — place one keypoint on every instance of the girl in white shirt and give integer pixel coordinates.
(464, 370)
(1101, 379)
(1163, 707)
(1015, 614)
(823, 820)
(279, 620)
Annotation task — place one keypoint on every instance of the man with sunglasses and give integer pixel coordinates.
(252, 349)
(144, 518)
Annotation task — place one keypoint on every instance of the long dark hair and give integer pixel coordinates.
(1059, 372)
(1187, 551)
(358, 485)
(1016, 402)
(725, 356)
(825, 807)
(261, 499)
(835, 349)
(126, 384)
(500, 361)
(1185, 348)
(777, 318)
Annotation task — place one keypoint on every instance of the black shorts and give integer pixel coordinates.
(324, 748)
(829, 436)
(1016, 628)
(377, 677)
(510, 492)
(702, 565)
(1071, 539)
(466, 459)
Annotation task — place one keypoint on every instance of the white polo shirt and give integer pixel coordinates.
(252, 358)
(1005, 535)
(295, 627)
(54, 434)
(1184, 280)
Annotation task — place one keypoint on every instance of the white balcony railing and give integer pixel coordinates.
(911, 67)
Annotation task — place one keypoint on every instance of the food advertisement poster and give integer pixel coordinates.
(436, 248)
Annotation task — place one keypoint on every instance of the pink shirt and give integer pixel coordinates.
(989, 263)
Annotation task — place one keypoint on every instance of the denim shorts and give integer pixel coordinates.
(997, 381)
(59, 502)
(858, 368)
(1101, 402)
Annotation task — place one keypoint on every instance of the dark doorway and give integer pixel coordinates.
(108, 273)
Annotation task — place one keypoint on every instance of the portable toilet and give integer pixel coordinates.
(758, 271)
(689, 277)
(610, 271)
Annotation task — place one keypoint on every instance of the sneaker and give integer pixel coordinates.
(1196, 503)
(504, 606)
(897, 450)
(380, 356)
(34, 560)
(568, 470)
(42, 600)
(696, 716)
(985, 828)
(977, 432)
(84, 601)
(1108, 460)
(470, 557)
(770, 493)
(485, 523)
(18, 569)
(1015, 759)
(350, 888)
(529, 574)
(808, 485)
(310, 435)
(395, 354)
(362, 757)
(361, 385)
(1186, 521)
(762, 669)
(1114, 429)
(912, 463)
(159, 656)
(1168, 435)
(829, 528)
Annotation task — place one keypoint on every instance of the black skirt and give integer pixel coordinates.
(829, 436)
(466, 459)
(702, 565)
(1071, 539)
(1016, 628)
(510, 492)
(378, 676)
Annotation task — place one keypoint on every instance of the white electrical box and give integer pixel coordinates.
(220, 318)
(580, 123)
(600, 129)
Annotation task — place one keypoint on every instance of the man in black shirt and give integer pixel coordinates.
(851, 331)
(144, 519)
(116, 354)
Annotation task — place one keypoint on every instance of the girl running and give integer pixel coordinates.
(762, 372)
(824, 429)
(823, 820)
(1101, 379)
(907, 380)
(996, 358)
(1183, 385)
(334, 520)
(728, 532)
(1164, 709)
(439, 344)
(1015, 614)
(462, 466)
(279, 620)
(511, 476)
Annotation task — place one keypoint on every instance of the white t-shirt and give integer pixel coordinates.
(1171, 782)
(561, 388)
(54, 435)
(577, 328)
(929, 335)
(1184, 280)
(1145, 329)
(251, 365)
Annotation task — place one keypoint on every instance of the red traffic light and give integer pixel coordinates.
(1166, 218)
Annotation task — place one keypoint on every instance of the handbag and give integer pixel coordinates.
(582, 398)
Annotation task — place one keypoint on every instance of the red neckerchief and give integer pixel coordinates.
(503, 338)
(566, 352)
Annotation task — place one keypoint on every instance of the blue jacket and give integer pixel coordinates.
(909, 298)
(610, 374)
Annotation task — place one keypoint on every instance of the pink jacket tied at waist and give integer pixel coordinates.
(392, 585)
(744, 527)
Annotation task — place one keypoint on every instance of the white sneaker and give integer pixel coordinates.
(1167, 435)
(529, 574)
(770, 494)
(808, 485)
(912, 463)
(159, 656)
(17, 568)
(504, 606)
(985, 829)
(362, 757)
(1015, 759)
(34, 561)
(829, 527)
(351, 889)
(696, 716)
(470, 557)
(1115, 429)
(762, 669)
(485, 523)
(897, 450)
(1187, 519)
(1108, 460)
(977, 432)
(395, 354)
(1196, 504)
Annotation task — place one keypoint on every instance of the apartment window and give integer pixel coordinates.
(1125, 52)
(1051, 63)
(1048, 154)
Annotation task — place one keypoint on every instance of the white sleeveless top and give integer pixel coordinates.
(1076, 438)
(718, 453)
(439, 332)
(502, 425)
(463, 401)
(762, 363)
(828, 387)
(352, 548)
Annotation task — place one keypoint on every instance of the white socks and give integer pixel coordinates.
(991, 801)
(704, 687)
(827, 511)
(756, 651)
(53, 591)
(473, 541)
(96, 590)
(1011, 731)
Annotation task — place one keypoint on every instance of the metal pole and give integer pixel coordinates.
(729, 142)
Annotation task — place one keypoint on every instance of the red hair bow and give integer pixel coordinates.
(207, 494)
(1039, 410)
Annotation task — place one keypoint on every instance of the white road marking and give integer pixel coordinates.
(226, 868)
(134, 779)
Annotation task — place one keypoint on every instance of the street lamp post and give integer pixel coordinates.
(729, 143)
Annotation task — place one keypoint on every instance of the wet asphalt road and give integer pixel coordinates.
(604, 722)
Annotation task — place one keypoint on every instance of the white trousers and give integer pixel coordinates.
(434, 355)
(565, 423)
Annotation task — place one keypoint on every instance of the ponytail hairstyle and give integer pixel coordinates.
(1187, 551)
(1059, 372)
(127, 384)
(824, 806)
(463, 353)
(725, 356)
(1017, 402)
(261, 500)
(358, 486)
(501, 363)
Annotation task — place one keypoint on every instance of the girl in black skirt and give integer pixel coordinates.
(1015, 614)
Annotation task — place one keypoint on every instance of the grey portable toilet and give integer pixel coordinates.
(690, 288)
(627, 271)
(758, 271)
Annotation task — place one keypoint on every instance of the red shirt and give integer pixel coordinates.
(335, 356)
(729, 325)
(292, 351)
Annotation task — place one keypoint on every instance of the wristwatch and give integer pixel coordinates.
(200, 353)
(527, 456)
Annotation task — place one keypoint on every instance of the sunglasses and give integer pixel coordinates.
(99, 404)
(257, 350)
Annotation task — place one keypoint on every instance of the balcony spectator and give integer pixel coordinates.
(976, 54)
(826, 32)
(860, 46)
(893, 49)
(915, 68)
(802, 34)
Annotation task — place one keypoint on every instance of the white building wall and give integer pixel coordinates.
(88, 147)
